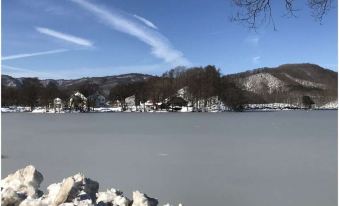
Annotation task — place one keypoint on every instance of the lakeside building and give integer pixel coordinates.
(78, 102)
(57, 105)
(97, 100)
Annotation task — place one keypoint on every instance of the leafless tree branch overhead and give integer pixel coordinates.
(254, 13)
(319, 8)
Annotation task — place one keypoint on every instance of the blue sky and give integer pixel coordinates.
(79, 38)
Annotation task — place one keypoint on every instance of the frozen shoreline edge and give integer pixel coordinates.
(215, 109)
(246, 110)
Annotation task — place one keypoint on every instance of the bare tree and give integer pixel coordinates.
(49, 93)
(232, 96)
(254, 13)
(31, 91)
(319, 8)
(10, 96)
(307, 102)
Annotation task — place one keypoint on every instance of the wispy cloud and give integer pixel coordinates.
(256, 60)
(19, 56)
(65, 37)
(112, 70)
(23, 72)
(75, 73)
(161, 47)
(145, 21)
(252, 40)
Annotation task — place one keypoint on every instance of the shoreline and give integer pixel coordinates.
(110, 110)
(245, 111)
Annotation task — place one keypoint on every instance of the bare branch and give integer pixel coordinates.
(290, 8)
(254, 13)
(319, 8)
(251, 10)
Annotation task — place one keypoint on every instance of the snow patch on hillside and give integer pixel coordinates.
(306, 83)
(11, 84)
(330, 105)
(258, 83)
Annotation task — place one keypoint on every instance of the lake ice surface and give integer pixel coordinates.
(237, 159)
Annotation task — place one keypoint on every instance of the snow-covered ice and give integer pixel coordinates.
(234, 158)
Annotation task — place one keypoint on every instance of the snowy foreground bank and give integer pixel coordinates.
(22, 189)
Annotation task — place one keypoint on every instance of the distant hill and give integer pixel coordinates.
(289, 81)
(9, 81)
(105, 83)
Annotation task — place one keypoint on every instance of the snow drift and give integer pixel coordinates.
(22, 189)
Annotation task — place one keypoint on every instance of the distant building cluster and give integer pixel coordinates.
(97, 102)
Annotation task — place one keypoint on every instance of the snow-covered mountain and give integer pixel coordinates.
(289, 81)
(9, 81)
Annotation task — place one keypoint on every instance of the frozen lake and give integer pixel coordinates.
(236, 159)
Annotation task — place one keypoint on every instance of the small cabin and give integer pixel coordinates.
(176, 103)
(97, 100)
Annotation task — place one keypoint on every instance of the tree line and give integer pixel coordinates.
(200, 84)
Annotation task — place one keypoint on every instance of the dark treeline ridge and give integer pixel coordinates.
(200, 83)
(202, 86)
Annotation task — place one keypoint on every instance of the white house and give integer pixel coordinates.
(78, 102)
(57, 105)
